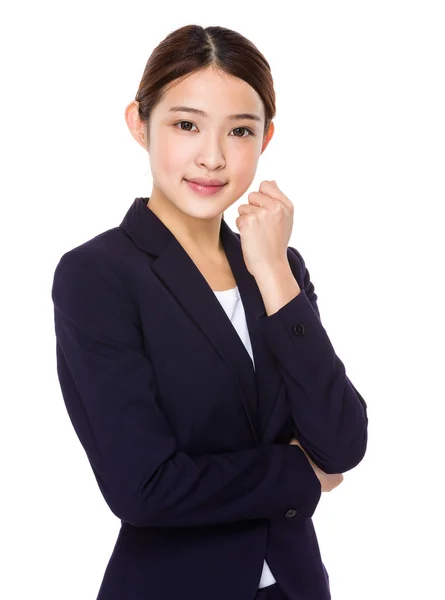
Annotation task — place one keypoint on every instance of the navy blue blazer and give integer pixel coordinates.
(188, 443)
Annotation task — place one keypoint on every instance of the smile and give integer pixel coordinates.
(204, 190)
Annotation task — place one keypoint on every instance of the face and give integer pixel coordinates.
(184, 145)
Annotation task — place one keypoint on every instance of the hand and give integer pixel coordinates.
(328, 481)
(265, 226)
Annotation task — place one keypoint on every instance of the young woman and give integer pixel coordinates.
(194, 366)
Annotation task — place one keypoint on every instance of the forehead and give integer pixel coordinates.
(215, 92)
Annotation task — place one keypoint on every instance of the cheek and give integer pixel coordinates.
(168, 157)
(244, 165)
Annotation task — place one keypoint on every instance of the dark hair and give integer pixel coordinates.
(191, 48)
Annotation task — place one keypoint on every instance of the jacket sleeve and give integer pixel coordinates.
(330, 415)
(109, 390)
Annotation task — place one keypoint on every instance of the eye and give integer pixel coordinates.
(249, 131)
(180, 123)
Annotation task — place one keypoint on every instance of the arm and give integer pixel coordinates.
(330, 416)
(109, 389)
(328, 481)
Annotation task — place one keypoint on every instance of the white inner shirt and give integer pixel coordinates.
(231, 302)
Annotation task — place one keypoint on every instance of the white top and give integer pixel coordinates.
(231, 302)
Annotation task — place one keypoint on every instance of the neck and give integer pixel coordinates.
(198, 236)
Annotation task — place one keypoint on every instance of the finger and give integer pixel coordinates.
(271, 189)
(262, 200)
(245, 209)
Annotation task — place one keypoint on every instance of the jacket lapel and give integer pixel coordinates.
(257, 388)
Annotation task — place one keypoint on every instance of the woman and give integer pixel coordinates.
(192, 359)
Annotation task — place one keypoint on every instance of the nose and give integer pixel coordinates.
(211, 153)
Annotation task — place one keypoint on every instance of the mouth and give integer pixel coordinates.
(204, 190)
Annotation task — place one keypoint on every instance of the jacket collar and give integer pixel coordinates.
(258, 388)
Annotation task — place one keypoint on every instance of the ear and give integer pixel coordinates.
(137, 127)
(268, 136)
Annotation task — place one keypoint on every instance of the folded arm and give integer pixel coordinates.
(330, 415)
(109, 389)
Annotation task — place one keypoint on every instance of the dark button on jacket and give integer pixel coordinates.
(298, 329)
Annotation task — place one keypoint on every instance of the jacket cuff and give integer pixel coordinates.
(296, 328)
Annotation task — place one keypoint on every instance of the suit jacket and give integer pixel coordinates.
(188, 443)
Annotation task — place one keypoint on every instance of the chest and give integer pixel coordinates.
(219, 275)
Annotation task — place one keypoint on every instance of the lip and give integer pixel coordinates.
(204, 190)
(206, 182)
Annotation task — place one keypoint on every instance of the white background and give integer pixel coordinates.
(359, 148)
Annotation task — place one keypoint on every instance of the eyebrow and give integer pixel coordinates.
(188, 109)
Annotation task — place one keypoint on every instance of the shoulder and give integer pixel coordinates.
(109, 245)
(296, 259)
(93, 273)
(297, 265)
(110, 254)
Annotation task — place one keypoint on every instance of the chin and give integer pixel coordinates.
(203, 213)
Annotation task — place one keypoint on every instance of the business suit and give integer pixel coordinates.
(189, 445)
